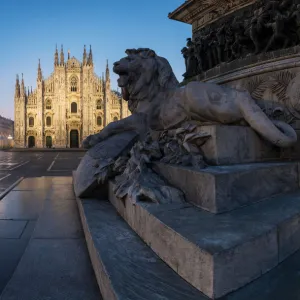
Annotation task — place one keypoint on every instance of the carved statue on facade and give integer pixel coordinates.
(166, 118)
(266, 26)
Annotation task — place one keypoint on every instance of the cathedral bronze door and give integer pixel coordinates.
(31, 142)
(49, 141)
(74, 139)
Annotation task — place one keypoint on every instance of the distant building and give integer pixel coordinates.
(6, 132)
(72, 103)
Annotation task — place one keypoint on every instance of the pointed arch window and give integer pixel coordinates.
(74, 84)
(48, 121)
(99, 104)
(73, 107)
(99, 121)
(116, 119)
(31, 121)
(48, 104)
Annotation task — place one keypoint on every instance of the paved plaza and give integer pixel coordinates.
(15, 165)
(43, 254)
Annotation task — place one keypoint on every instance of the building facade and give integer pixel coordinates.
(72, 103)
(6, 132)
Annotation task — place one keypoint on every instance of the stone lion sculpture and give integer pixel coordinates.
(158, 103)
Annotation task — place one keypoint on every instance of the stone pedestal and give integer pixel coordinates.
(235, 145)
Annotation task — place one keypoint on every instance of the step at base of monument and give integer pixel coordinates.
(219, 189)
(220, 253)
(125, 267)
(236, 145)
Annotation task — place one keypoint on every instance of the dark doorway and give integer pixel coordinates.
(49, 141)
(74, 139)
(31, 142)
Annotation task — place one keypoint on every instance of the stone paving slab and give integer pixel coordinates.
(55, 264)
(64, 180)
(11, 229)
(33, 184)
(22, 205)
(60, 192)
(11, 251)
(53, 269)
(126, 268)
(59, 219)
(218, 253)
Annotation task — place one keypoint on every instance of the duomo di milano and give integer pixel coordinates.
(72, 103)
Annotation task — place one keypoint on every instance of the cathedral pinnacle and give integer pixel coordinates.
(56, 62)
(68, 54)
(22, 87)
(90, 60)
(39, 78)
(84, 61)
(107, 71)
(62, 56)
(17, 89)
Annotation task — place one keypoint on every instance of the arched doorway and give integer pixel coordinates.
(74, 139)
(31, 142)
(49, 141)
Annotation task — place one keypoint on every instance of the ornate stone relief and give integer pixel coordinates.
(259, 28)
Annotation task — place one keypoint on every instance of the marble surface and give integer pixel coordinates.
(127, 268)
(218, 253)
(223, 188)
(49, 259)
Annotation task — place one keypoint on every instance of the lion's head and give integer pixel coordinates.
(143, 74)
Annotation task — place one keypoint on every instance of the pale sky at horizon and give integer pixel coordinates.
(32, 28)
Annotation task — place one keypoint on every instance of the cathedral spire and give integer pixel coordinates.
(28, 92)
(107, 78)
(90, 60)
(56, 62)
(107, 71)
(103, 82)
(22, 87)
(84, 61)
(62, 56)
(40, 77)
(17, 89)
(68, 54)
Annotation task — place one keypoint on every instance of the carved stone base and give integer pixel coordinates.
(223, 188)
(236, 145)
(218, 254)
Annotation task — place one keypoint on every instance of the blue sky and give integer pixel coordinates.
(30, 30)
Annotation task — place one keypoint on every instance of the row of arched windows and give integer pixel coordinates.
(74, 105)
(49, 120)
(31, 121)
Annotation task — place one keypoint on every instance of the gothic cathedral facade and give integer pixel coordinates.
(72, 103)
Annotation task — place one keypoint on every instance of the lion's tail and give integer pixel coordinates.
(278, 133)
